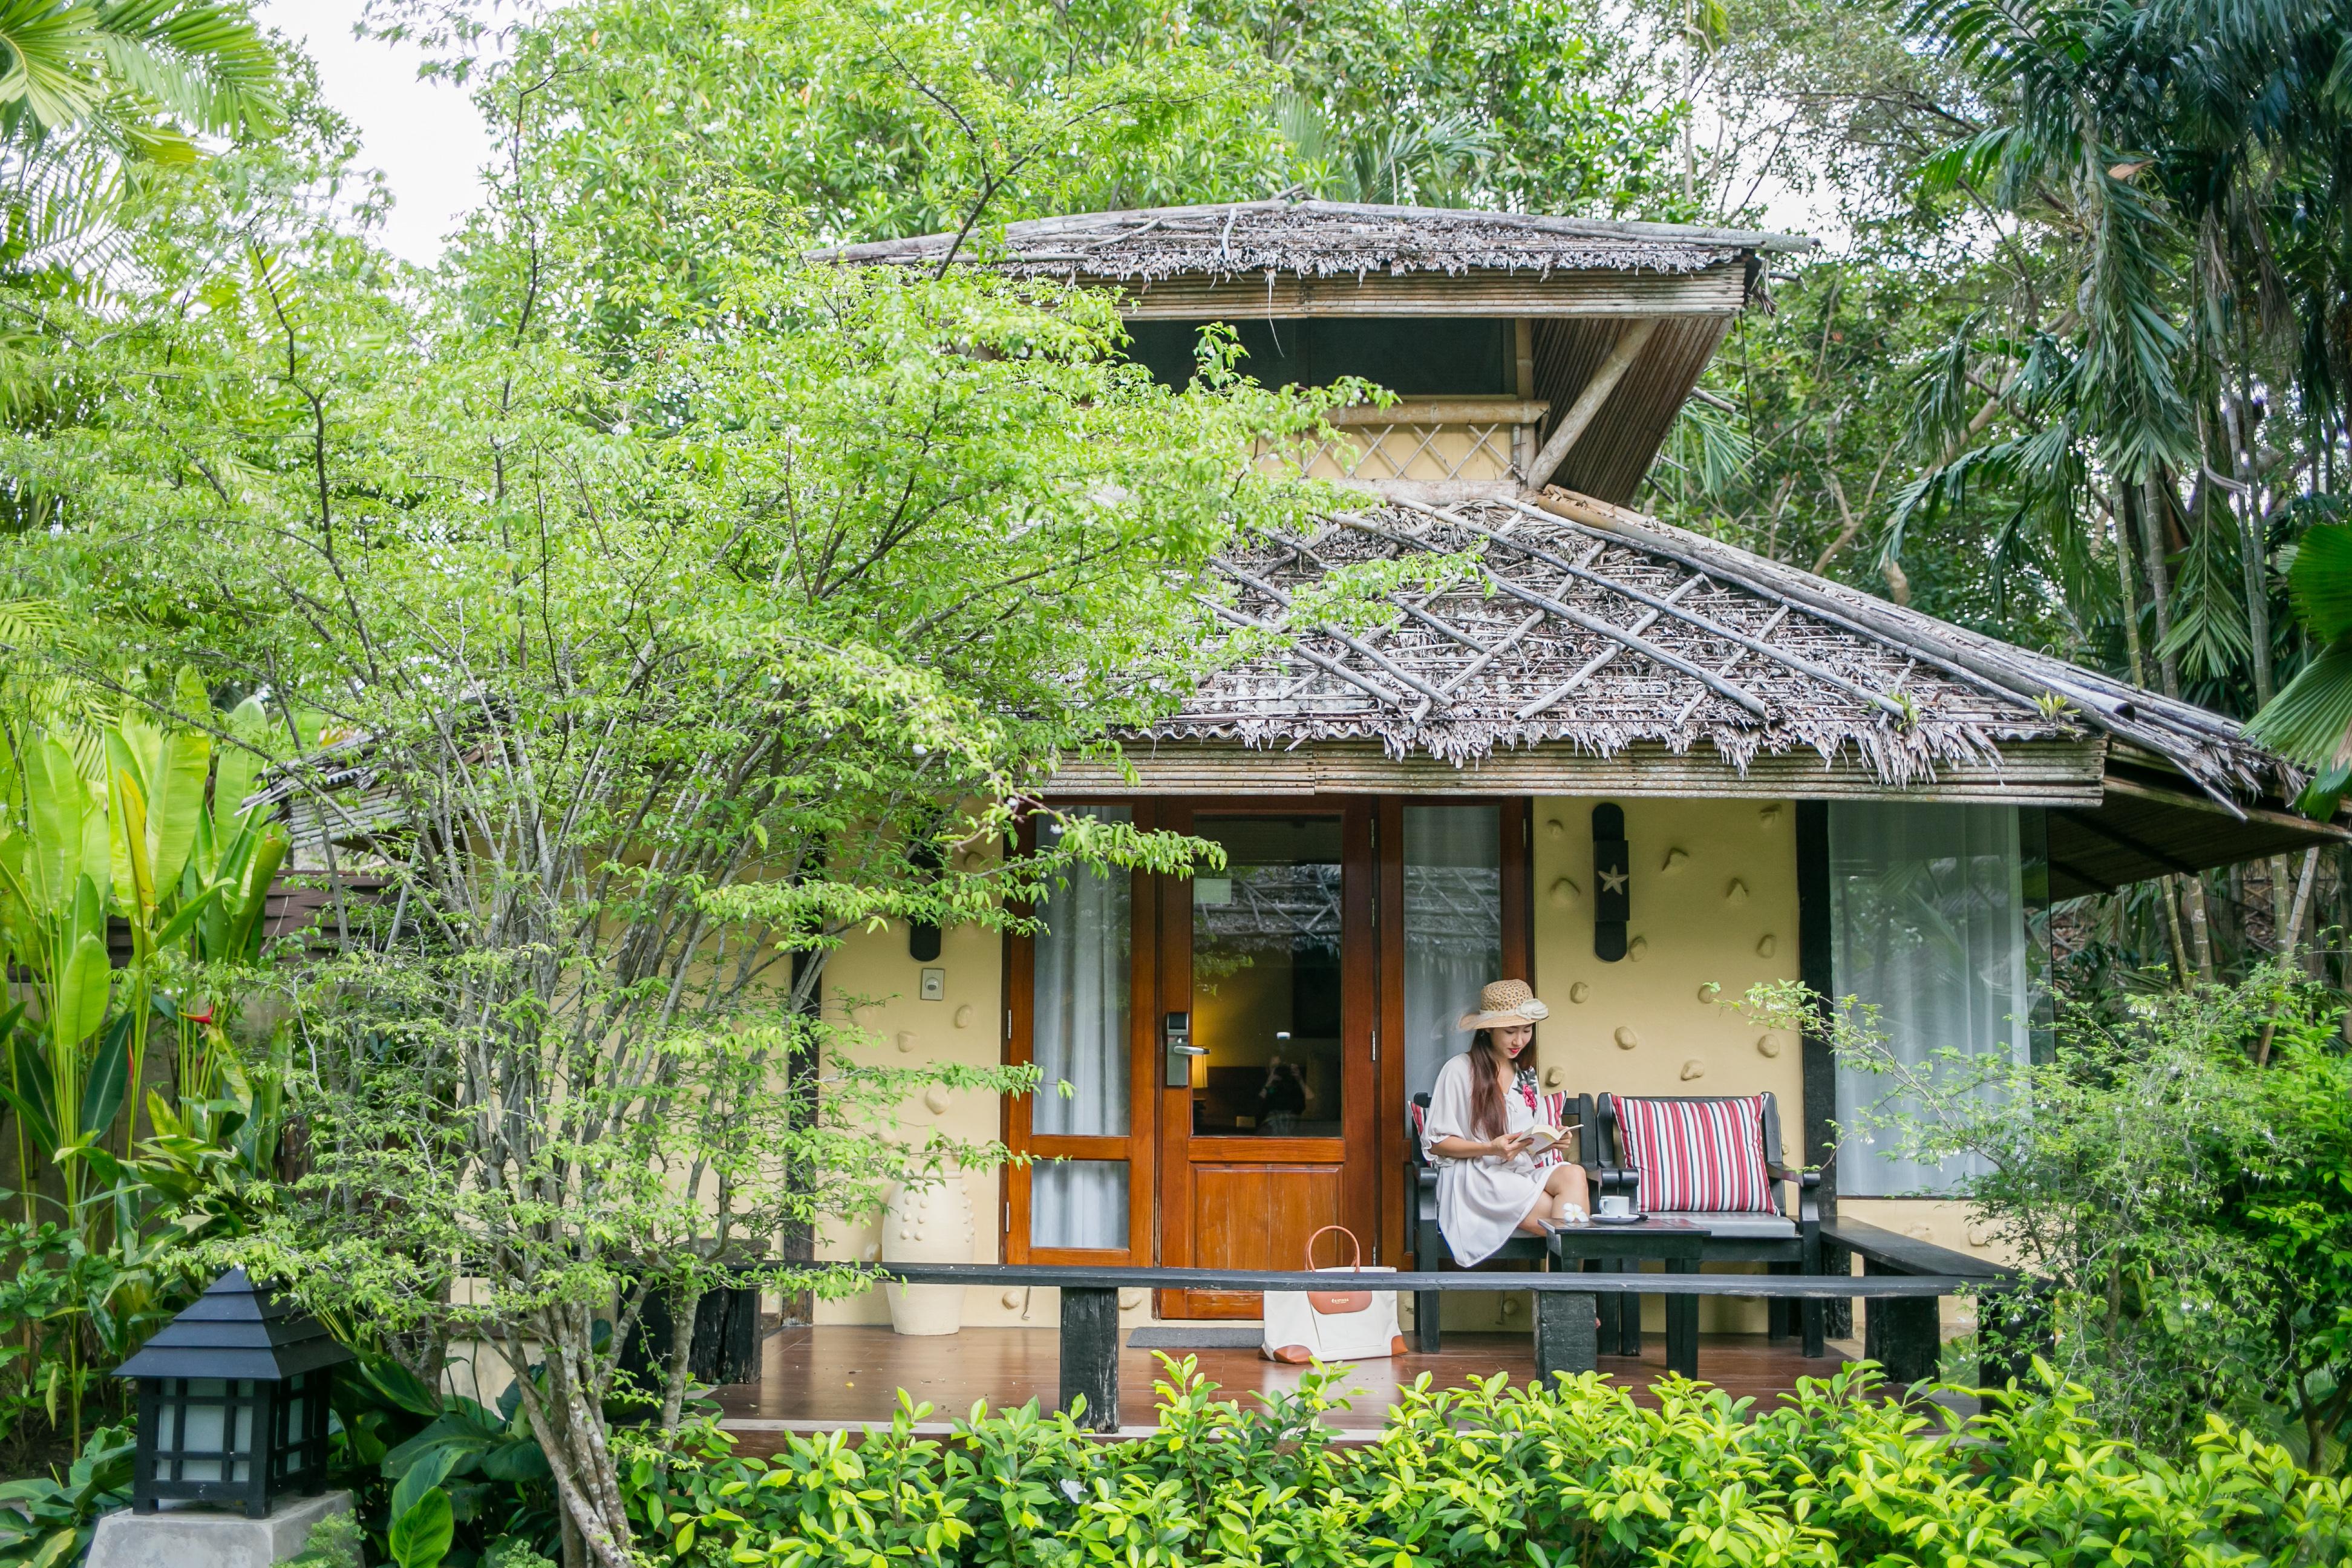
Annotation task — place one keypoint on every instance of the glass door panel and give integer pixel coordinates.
(1267, 980)
(1268, 1132)
(1075, 1020)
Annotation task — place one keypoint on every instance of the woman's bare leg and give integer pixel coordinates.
(1564, 1186)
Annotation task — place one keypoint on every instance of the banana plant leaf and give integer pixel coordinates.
(104, 1091)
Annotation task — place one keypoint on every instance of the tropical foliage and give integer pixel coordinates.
(2180, 1177)
(1495, 1475)
(161, 842)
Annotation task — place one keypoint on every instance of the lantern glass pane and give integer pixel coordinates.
(243, 1447)
(204, 1424)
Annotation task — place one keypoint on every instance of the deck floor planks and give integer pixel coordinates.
(844, 1375)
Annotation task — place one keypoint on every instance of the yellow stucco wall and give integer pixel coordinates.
(966, 1026)
(1714, 886)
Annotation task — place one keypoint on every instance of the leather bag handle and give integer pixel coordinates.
(1354, 1245)
(1337, 1303)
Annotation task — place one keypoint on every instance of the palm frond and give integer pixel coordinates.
(51, 47)
(2311, 720)
(206, 65)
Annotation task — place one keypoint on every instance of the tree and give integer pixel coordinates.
(665, 671)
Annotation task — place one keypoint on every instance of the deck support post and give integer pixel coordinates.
(1428, 1325)
(1903, 1334)
(1090, 1354)
(1565, 1338)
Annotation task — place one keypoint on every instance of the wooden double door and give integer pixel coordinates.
(1215, 1089)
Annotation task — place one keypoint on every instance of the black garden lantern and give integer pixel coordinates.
(232, 1402)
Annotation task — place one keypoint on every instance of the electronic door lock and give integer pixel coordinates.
(1177, 1028)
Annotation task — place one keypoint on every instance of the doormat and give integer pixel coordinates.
(1184, 1337)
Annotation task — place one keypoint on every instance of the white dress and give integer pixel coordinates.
(1480, 1202)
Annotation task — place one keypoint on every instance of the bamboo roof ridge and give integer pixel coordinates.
(1321, 239)
(1593, 626)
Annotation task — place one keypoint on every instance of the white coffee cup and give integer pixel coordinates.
(1616, 1206)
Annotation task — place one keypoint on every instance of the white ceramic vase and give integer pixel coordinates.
(926, 1223)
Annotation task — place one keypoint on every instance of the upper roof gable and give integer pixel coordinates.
(1229, 240)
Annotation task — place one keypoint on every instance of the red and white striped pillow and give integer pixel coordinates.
(1551, 1110)
(1697, 1157)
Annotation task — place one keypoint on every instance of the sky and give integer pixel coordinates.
(425, 136)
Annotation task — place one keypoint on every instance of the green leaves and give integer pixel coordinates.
(2310, 719)
(421, 1533)
(46, 1522)
(1494, 1476)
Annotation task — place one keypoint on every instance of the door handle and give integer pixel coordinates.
(1177, 1072)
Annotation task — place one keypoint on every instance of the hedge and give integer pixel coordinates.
(1836, 1473)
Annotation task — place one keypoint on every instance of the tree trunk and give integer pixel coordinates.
(2169, 913)
(2201, 931)
(567, 1418)
(2123, 582)
(2159, 583)
(685, 1306)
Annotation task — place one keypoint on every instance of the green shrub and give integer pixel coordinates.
(1498, 1474)
(2177, 1175)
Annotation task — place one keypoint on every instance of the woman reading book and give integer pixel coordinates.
(1482, 1133)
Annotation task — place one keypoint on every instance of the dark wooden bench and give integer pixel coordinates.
(1564, 1335)
(1906, 1330)
(1787, 1240)
(1429, 1247)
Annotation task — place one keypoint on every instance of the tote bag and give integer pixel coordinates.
(1332, 1325)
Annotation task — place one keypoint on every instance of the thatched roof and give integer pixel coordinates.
(1324, 240)
(1585, 626)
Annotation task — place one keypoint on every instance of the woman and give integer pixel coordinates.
(1478, 1134)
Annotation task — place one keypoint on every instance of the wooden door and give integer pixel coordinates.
(1270, 1132)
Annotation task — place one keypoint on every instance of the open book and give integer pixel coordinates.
(1545, 1136)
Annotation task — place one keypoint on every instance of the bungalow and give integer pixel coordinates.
(1638, 767)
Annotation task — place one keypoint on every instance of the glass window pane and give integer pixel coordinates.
(1081, 1035)
(1265, 979)
(1929, 915)
(1078, 1202)
(1453, 928)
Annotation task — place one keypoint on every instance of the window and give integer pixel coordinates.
(1413, 356)
(1933, 923)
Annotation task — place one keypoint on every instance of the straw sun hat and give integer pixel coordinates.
(1504, 1003)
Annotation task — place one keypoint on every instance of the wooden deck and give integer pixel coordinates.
(826, 1378)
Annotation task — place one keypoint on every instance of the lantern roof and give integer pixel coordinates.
(238, 1329)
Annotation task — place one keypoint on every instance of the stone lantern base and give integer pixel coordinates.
(200, 1537)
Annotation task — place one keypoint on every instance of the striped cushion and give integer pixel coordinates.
(1551, 1110)
(1697, 1157)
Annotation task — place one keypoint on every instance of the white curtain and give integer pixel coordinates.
(1928, 906)
(1079, 1043)
(1453, 928)
(1078, 1202)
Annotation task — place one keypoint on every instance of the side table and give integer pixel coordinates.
(1615, 1247)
